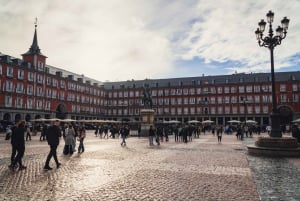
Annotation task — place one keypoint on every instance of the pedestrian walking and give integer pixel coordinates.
(8, 132)
(81, 137)
(151, 135)
(53, 134)
(70, 140)
(43, 132)
(219, 134)
(28, 133)
(124, 133)
(18, 144)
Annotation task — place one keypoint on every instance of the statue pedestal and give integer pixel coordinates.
(147, 119)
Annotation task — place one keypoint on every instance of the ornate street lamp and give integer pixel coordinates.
(271, 41)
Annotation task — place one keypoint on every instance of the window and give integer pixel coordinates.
(0, 69)
(256, 88)
(39, 104)
(233, 90)
(40, 66)
(234, 110)
(8, 101)
(295, 98)
(21, 74)
(29, 89)
(173, 92)
(282, 88)
(226, 90)
(62, 84)
(39, 91)
(233, 99)
(192, 100)
(227, 110)
(192, 91)
(40, 78)
(249, 89)
(257, 109)
(241, 89)
(166, 101)
(179, 101)
(186, 110)
(19, 102)
(54, 83)
(257, 99)
(185, 91)
(265, 99)
(10, 71)
(9, 86)
(47, 105)
(48, 93)
(120, 94)
(19, 88)
(220, 90)
(48, 81)
(29, 103)
(62, 95)
(227, 99)
(192, 110)
(54, 94)
(186, 101)
(166, 92)
(30, 76)
(295, 87)
(283, 98)
(220, 110)
(265, 109)
(219, 100)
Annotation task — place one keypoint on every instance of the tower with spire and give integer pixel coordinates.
(34, 54)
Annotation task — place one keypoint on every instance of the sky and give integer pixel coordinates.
(120, 40)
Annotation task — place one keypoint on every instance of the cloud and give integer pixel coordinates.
(122, 40)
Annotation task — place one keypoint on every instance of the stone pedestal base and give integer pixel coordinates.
(275, 147)
(147, 120)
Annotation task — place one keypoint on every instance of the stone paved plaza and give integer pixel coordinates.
(199, 170)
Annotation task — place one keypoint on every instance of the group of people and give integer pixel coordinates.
(52, 135)
(182, 133)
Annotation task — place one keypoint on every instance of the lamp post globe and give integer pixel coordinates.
(270, 41)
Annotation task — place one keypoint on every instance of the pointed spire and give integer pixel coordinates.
(34, 49)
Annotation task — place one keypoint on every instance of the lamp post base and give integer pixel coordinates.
(275, 125)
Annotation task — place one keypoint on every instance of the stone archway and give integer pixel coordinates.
(27, 117)
(18, 117)
(286, 115)
(37, 116)
(61, 111)
(6, 117)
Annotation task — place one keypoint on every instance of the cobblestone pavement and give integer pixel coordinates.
(199, 170)
(276, 178)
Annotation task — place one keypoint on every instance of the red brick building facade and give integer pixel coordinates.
(32, 89)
